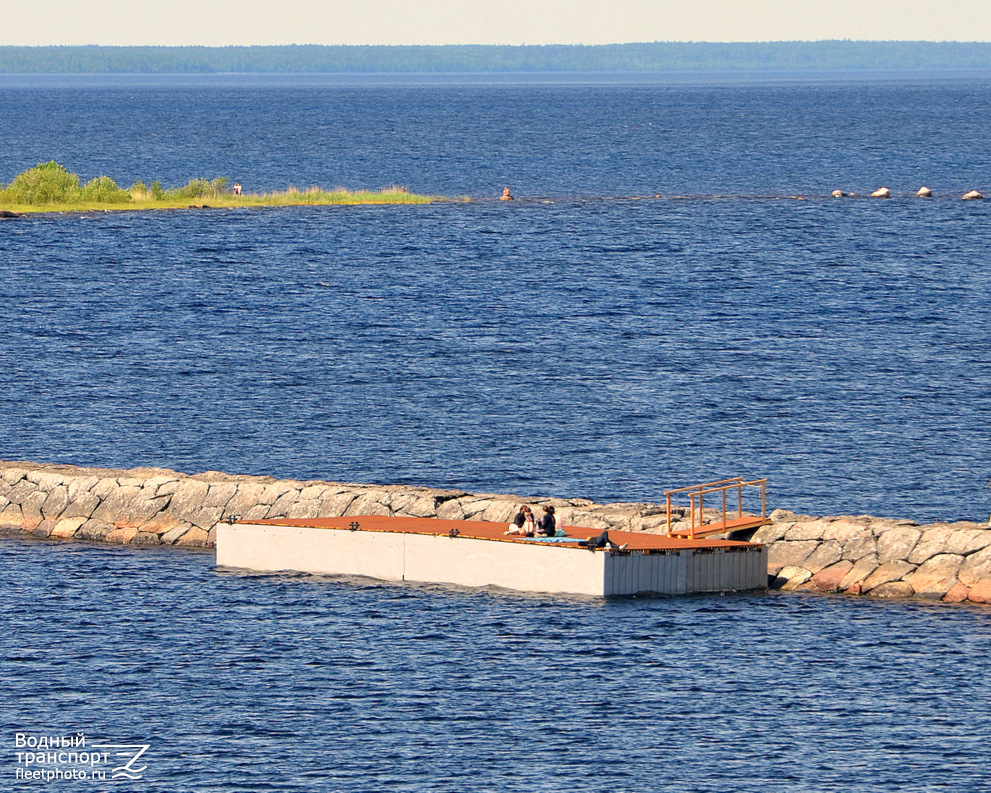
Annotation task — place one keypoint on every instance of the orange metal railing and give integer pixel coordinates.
(722, 486)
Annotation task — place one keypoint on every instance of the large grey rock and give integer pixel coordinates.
(812, 530)
(188, 498)
(860, 547)
(932, 542)
(82, 505)
(975, 567)
(846, 530)
(790, 554)
(967, 541)
(826, 555)
(897, 543)
(56, 502)
(248, 495)
(282, 505)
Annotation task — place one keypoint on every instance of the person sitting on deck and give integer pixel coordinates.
(523, 524)
(548, 523)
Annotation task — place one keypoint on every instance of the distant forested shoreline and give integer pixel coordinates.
(647, 57)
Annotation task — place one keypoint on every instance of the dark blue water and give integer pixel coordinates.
(575, 343)
(270, 683)
(586, 340)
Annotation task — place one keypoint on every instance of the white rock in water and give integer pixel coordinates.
(882, 192)
(973, 195)
(838, 194)
(925, 192)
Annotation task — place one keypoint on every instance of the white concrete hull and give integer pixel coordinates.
(528, 567)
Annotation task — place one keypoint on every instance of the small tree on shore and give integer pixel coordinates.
(46, 183)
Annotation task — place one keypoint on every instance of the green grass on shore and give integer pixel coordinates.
(49, 187)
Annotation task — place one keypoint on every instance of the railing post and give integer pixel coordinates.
(669, 513)
(724, 508)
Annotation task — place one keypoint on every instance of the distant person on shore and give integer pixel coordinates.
(237, 188)
(523, 524)
(506, 195)
(548, 523)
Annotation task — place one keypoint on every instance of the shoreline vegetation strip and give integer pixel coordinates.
(50, 187)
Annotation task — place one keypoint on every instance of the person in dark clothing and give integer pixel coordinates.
(602, 541)
(548, 523)
(523, 523)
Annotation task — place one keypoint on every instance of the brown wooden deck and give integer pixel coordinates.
(722, 526)
(480, 530)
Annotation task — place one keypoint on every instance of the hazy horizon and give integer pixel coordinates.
(219, 23)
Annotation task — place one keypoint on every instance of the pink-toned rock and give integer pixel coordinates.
(11, 515)
(122, 536)
(893, 589)
(958, 593)
(160, 524)
(67, 527)
(888, 572)
(934, 578)
(829, 578)
(858, 573)
(980, 592)
(144, 538)
(194, 538)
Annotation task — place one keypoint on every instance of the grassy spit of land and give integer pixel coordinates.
(50, 187)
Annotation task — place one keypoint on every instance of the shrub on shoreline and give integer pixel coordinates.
(52, 185)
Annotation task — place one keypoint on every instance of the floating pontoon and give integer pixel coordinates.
(479, 554)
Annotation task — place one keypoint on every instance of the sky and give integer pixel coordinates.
(246, 22)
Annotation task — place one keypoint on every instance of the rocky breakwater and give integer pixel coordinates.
(865, 555)
(157, 506)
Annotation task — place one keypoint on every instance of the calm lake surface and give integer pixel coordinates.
(657, 308)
